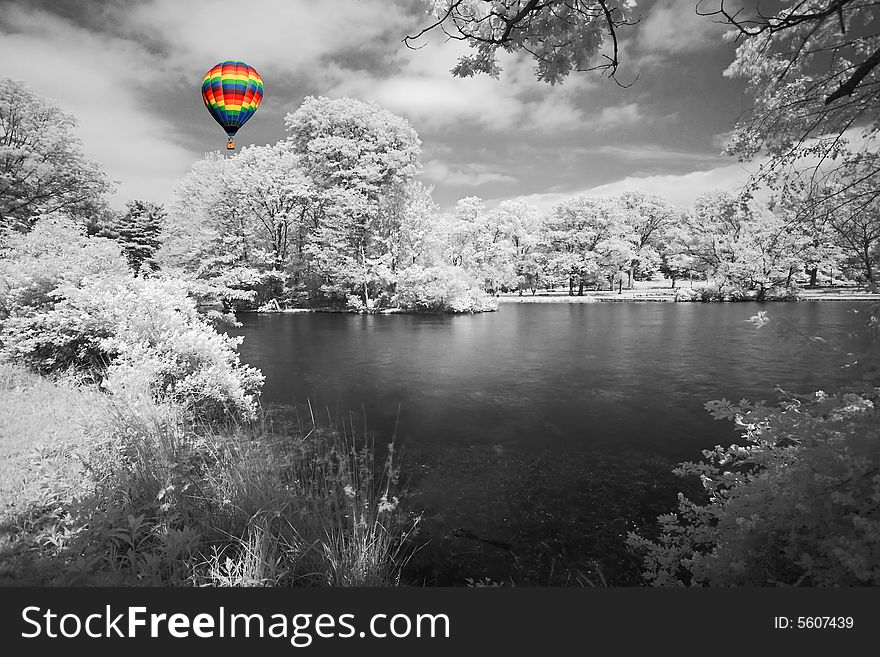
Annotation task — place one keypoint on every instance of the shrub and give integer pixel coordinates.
(128, 332)
(707, 292)
(55, 252)
(249, 289)
(354, 302)
(782, 293)
(796, 504)
(713, 292)
(440, 289)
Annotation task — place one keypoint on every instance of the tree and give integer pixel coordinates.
(812, 68)
(275, 195)
(42, 167)
(823, 252)
(855, 230)
(561, 35)
(419, 239)
(812, 14)
(650, 216)
(138, 231)
(675, 264)
(208, 238)
(736, 242)
(330, 215)
(497, 247)
(461, 230)
(522, 227)
(358, 156)
(589, 240)
(569, 241)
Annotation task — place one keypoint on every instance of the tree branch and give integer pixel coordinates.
(848, 87)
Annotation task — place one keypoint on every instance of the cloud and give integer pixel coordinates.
(434, 100)
(123, 129)
(471, 175)
(276, 36)
(721, 139)
(674, 27)
(680, 189)
(617, 115)
(418, 84)
(653, 153)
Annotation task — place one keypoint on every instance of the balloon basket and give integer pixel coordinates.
(230, 144)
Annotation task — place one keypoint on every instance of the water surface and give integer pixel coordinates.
(548, 428)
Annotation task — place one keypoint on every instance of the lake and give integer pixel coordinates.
(535, 437)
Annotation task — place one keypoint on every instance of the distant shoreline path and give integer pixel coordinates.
(668, 296)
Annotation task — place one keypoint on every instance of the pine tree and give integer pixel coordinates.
(137, 231)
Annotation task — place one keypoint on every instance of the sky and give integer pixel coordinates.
(130, 72)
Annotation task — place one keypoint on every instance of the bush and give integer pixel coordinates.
(55, 252)
(796, 505)
(706, 292)
(128, 332)
(713, 292)
(782, 293)
(260, 288)
(440, 289)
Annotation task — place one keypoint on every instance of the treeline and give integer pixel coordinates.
(335, 215)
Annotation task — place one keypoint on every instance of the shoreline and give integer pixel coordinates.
(342, 311)
(672, 299)
(667, 295)
(644, 295)
(547, 299)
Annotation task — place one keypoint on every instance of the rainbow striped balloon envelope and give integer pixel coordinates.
(232, 92)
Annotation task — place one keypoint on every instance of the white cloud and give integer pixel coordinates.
(93, 77)
(673, 27)
(720, 140)
(617, 115)
(276, 36)
(471, 175)
(421, 88)
(653, 152)
(434, 101)
(679, 189)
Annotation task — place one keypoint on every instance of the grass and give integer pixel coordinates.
(97, 492)
(39, 421)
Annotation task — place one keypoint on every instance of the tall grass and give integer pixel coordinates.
(161, 500)
(35, 417)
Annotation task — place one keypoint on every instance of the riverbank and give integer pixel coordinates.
(353, 311)
(668, 295)
(643, 292)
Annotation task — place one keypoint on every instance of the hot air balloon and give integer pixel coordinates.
(232, 92)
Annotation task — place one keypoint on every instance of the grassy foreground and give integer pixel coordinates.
(94, 491)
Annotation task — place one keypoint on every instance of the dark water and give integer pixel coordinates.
(548, 430)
